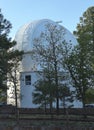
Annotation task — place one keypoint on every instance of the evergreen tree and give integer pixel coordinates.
(7, 54)
(43, 94)
(5, 44)
(65, 96)
(81, 60)
(90, 96)
(85, 33)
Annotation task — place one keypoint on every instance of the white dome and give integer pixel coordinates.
(28, 32)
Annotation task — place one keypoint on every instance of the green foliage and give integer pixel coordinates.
(81, 60)
(8, 57)
(85, 32)
(89, 96)
(51, 50)
(65, 96)
(43, 93)
(5, 44)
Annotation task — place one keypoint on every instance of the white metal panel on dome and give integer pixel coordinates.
(30, 31)
(29, 66)
(27, 33)
(19, 37)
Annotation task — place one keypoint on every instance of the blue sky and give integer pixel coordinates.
(19, 12)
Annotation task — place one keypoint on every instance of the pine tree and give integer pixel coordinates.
(7, 54)
(5, 44)
(85, 33)
(81, 61)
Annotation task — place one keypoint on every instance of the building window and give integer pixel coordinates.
(28, 80)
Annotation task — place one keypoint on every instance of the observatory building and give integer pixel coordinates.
(29, 66)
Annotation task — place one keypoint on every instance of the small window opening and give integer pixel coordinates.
(28, 79)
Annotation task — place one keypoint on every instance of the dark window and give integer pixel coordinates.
(28, 80)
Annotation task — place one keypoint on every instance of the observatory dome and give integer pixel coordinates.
(28, 32)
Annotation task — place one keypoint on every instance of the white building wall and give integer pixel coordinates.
(26, 90)
(25, 93)
(29, 66)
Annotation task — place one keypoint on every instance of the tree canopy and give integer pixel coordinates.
(80, 63)
(50, 49)
(7, 54)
